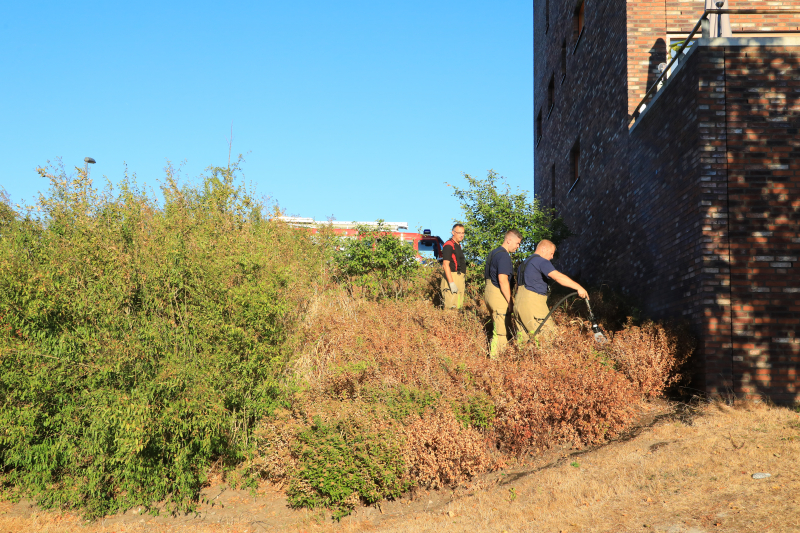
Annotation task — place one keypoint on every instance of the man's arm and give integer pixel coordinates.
(447, 273)
(566, 281)
(505, 287)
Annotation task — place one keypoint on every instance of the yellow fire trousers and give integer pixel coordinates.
(501, 318)
(454, 301)
(530, 309)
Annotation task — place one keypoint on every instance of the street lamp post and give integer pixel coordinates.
(87, 161)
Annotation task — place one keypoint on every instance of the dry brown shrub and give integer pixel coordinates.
(564, 392)
(441, 452)
(570, 390)
(563, 402)
(650, 355)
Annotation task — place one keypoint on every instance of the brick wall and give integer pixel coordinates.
(715, 160)
(712, 183)
(590, 104)
(768, 23)
(763, 159)
(712, 225)
(715, 173)
(672, 179)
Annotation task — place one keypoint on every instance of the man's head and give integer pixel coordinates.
(546, 249)
(512, 240)
(458, 233)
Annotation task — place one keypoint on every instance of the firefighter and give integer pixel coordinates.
(497, 294)
(530, 302)
(455, 270)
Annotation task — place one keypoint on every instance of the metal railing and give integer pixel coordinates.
(703, 24)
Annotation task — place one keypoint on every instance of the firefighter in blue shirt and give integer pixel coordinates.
(498, 272)
(530, 303)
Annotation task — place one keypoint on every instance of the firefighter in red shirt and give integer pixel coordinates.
(455, 270)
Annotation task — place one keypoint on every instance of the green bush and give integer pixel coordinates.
(402, 401)
(139, 341)
(377, 264)
(343, 463)
(477, 411)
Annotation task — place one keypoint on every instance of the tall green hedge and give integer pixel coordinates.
(141, 338)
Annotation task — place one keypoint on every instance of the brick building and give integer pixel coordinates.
(693, 208)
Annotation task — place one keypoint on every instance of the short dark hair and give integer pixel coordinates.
(514, 232)
(457, 225)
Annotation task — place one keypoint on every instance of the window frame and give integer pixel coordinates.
(578, 23)
(546, 16)
(539, 132)
(575, 164)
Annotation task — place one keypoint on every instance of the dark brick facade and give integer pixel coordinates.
(696, 209)
(763, 158)
(589, 111)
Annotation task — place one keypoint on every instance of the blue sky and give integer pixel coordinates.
(354, 109)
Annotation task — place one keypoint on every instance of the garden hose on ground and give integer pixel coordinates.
(598, 335)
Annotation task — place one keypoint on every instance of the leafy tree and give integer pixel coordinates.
(377, 263)
(491, 209)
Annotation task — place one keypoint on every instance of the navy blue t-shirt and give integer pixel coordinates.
(535, 269)
(500, 264)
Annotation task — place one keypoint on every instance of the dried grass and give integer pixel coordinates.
(357, 343)
(275, 436)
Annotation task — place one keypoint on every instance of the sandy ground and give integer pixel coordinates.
(676, 474)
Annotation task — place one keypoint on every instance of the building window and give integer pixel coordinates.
(551, 94)
(575, 164)
(546, 15)
(553, 186)
(563, 60)
(577, 23)
(539, 127)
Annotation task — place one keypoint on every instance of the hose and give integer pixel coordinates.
(598, 335)
(553, 309)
